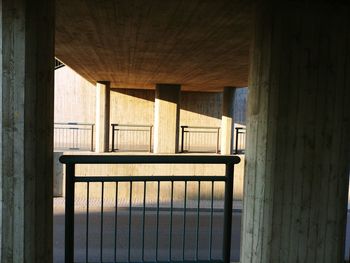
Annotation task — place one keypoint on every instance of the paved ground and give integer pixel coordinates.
(108, 239)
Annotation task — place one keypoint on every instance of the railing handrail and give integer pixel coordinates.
(75, 123)
(131, 125)
(154, 159)
(201, 127)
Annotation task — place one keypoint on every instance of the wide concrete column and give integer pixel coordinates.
(102, 116)
(166, 118)
(227, 121)
(298, 150)
(26, 130)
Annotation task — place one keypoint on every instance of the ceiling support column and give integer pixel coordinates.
(227, 121)
(166, 118)
(298, 134)
(102, 116)
(26, 130)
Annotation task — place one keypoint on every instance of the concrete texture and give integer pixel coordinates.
(201, 45)
(26, 130)
(227, 121)
(75, 97)
(166, 118)
(298, 151)
(102, 123)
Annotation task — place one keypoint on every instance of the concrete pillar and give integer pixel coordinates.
(26, 130)
(102, 116)
(166, 118)
(227, 121)
(298, 151)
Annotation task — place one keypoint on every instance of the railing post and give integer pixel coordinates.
(92, 137)
(228, 213)
(69, 210)
(236, 140)
(112, 148)
(150, 138)
(217, 140)
(182, 138)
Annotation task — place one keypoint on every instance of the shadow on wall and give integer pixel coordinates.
(204, 103)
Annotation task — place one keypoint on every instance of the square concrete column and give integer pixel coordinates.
(26, 130)
(102, 116)
(166, 118)
(227, 121)
(298, 150)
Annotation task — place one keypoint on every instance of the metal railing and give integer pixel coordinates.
(200, 139)
(150, 234)
(58, 64)
(240, 138)
(74, 136)
(127, 137)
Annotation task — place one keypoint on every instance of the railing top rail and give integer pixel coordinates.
(177, 178)
(74, 123)
(131, 125)
(240, 128)
(152, 159)
(200, 127)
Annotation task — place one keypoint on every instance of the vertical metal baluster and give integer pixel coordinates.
(228, 213)
(157, 234)
(115, 222)
(184, 225)
(143, 221)
(101, 234)
(130, 203)
(171, 218)
(211, 221)
(69, 210)
(87, 221)
(198, 207)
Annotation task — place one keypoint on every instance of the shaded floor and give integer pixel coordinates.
(136, 232)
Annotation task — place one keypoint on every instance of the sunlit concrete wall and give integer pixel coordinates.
(74, 97)
(75, 102)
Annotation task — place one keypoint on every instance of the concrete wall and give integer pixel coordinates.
(75, 102)
(74, 97)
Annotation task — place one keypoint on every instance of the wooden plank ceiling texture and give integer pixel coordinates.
(201, 44)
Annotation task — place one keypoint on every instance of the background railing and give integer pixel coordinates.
(177, 228)
(74, 136)
(58, 64)
(131, 137)
(200, 139)
(240, 139)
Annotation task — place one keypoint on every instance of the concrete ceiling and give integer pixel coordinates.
(200, 44)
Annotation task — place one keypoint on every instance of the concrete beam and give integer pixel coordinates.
(26, 127)
(166, 118)
(227, 121)
(298, 133)
(102, 116)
